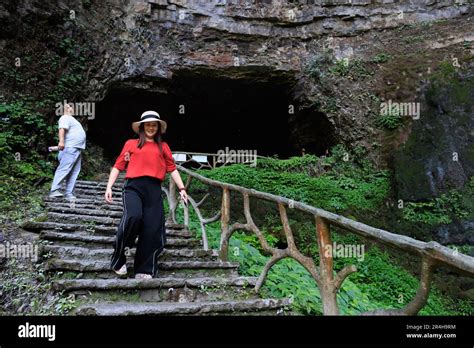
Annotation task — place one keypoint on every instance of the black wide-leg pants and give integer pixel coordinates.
(143, 217)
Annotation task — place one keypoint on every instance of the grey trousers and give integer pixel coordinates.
(68, 169)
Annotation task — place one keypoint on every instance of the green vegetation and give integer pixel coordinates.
(28, 124)
(21, 166)
(22, 129)
(379, 282)
(26, 289)
(342, 183)
(352, 69)
(323, 64)
(381, 58)
(446, 77)
(390, 120)
(19, 201)
(446, 70)
(349, 181)
(317, 65)
(443, 209)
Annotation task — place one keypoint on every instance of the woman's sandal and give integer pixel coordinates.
(143, 276)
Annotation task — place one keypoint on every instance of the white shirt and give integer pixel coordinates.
(75, 135)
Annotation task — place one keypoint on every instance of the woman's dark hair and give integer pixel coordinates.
(156, 138)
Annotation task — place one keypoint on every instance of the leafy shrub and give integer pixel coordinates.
(440, 210)
(381, 58)
(22, 128)
(317, 65)
(350, 68)
(390, 120)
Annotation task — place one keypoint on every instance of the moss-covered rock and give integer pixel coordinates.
(438, 155)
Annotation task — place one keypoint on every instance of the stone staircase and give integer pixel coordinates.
(76, 246)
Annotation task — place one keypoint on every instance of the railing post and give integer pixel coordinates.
(225, 217)
(427, 267)
(172, 202)
(186, 214)
(328, 293)
(185, 207)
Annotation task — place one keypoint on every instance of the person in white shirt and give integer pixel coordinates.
(72, 140)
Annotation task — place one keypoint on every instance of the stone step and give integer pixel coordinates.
(189, 308)
(84, 192)
(89, 200)
(86, 212)
(76, 218)
(95, 215)
(85, 265)
(160, 289)
(34, 226)
(87, 219)
(104, 206)
(100, 241)
(175, 226)
(167, 283)
(118, 182)
(105, 253)
(91, 186)
(98, 191)
(101, 269)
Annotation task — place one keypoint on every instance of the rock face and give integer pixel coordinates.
(145, 45)
(253, 39)
(458, 233)
(439, 155)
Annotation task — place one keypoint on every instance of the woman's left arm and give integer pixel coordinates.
(179, 182)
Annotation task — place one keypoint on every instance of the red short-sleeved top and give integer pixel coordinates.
(146, 161)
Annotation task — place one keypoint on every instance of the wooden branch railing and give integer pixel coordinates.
(432, 254)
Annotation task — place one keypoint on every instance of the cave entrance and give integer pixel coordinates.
(208, 114)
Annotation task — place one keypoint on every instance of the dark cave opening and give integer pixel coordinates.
(208, 114)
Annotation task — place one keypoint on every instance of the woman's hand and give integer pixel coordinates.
(184, 196)
(179, 184)
(108, 195)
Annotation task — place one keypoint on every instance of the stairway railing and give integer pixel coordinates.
(432, 254)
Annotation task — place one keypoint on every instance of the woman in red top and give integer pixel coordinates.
(147, 160)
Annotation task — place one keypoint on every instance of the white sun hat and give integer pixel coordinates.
(149, 116)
